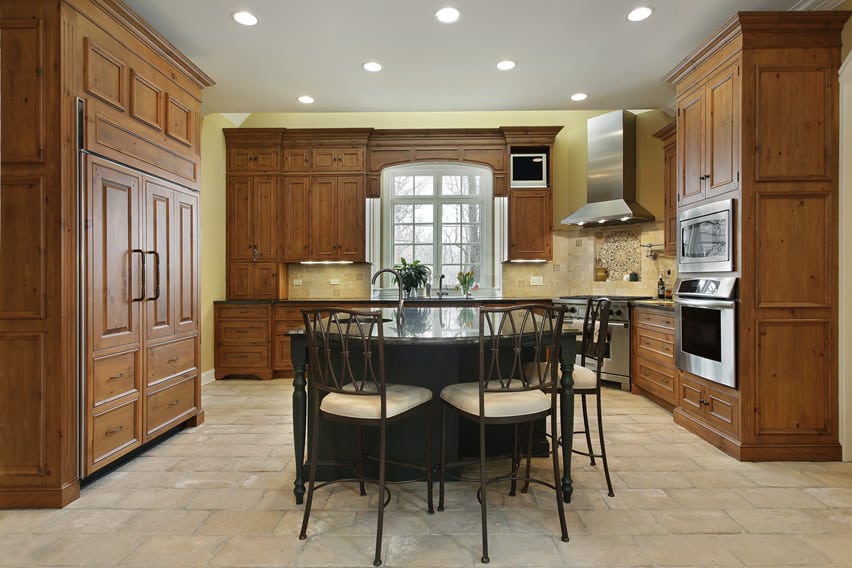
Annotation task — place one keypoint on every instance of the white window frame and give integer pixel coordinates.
(491, 232)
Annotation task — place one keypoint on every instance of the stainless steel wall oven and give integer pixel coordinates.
(706, 328)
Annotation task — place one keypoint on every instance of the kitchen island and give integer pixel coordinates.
(431, 347)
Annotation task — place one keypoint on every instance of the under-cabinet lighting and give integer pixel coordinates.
(521, 261)
(325, 262)
(245, 18)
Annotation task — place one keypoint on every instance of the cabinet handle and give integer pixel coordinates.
(240, 331)
(255, 254)
(112, 431)
(142, 256)
(703, 402)
(174, 402)
(172, 361)
(156, 275)
(116, 377)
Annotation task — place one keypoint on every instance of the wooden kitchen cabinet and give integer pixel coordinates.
(654, 371)
(243, 339)
(708, 135)
(338, 209)
(764, 89)
(711, 404)
(249, 160)
(324, 159)
(252, 223)
(295, 232)
(530, 224)
(668, 134)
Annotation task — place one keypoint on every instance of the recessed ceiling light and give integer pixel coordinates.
(577, 97)
(372, 66)
(506, 65)
(639, 14)
(306, 99)
(245, 18)
(447, 15)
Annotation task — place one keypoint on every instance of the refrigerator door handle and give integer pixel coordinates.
(156, 295)
(142, 256)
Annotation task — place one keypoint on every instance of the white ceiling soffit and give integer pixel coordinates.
(561, 47)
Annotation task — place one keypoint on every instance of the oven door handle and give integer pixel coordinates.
(723, 304)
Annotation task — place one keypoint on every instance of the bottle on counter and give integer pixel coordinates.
(661, 287)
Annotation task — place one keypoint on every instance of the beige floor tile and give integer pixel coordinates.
(178, 551)
(168, 522)
(253, 551)
(222, 495)
(773, 550)
(240, 522)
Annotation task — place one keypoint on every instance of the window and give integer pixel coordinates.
(442, 215)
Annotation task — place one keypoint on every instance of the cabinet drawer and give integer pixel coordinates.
(656, 318)
(113, 377)
(242, 312)
(242, 332)
(114, 432)
(657, 379)
(170, 360)
(246, 357)
(655, 345)
(166, 407)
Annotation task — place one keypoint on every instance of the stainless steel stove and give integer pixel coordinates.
(616, 365)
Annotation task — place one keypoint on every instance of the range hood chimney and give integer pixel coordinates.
(611, 175)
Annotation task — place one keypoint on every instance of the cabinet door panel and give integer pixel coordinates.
(350, 160)
(324, 160)
(351, 212)
(185, 272)
(159, 235)
(263, 218)
(690, 147)
(530, 217)
(297, 160)
(296, 227)
(239, 281)
(722, 132)
(240, 233)
(323, 218)
(115, 270)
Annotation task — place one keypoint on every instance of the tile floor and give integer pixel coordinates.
(221, 495)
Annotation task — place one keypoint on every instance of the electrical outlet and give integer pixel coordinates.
(536, 281)
(578, 242)
(557, 267)
(334, 281)
(359, 276)
(522, 283)
(336, 293)
(297, 281)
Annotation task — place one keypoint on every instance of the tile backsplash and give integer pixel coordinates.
(576, 253)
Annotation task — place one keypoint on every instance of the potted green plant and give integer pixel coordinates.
(411, 274)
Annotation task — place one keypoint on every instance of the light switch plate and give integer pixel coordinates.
(297, 281)
(536, 281)
(334, 281)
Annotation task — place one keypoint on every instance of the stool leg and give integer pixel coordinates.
(588, 432)
(603, 447)
(441, 476)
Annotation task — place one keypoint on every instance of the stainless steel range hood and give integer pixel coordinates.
(611, 176)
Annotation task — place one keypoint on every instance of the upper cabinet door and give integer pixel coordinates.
(351, 218)
(690, 146)
(722, 169)
(116, 259)
(264, 218)
(295, 228)
(530, 219)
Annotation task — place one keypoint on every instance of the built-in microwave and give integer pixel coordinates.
(705, 237)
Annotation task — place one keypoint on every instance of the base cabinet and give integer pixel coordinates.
(709, 407)
(654, 370)
(242, 340)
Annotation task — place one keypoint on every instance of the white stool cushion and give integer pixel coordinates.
(465, 397)
(584, 378)
(400, 399)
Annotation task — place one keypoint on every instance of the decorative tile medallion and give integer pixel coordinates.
(619, 254)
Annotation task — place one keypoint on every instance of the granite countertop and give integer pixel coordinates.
(667, 305)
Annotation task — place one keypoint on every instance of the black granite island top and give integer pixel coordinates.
(428, 325)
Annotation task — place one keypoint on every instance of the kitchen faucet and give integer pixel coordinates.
(441, 293)
(399, 314)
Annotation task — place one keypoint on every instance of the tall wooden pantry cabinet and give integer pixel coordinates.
(757, 122)
(99, 241)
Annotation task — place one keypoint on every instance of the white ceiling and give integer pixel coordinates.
(316, 47)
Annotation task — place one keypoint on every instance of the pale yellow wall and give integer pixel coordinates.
(212, 227)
